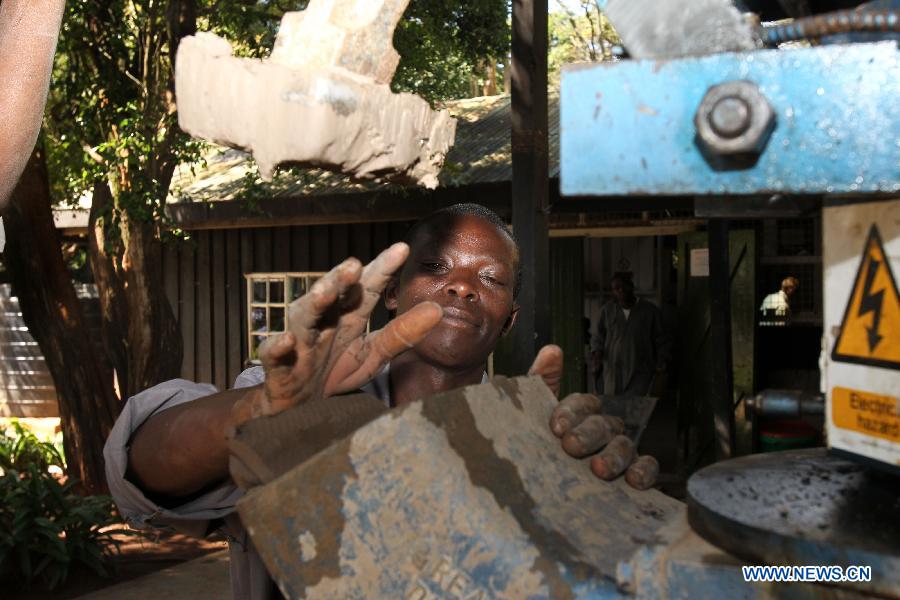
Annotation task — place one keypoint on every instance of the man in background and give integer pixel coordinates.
(631, 349)
(779, 303)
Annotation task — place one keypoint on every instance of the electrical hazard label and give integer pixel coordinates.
(867, 413)
(870, 329)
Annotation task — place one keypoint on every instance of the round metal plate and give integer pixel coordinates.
(801, 507)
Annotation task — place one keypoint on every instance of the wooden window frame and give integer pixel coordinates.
(255, 335)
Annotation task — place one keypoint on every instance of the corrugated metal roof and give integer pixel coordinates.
(481, 154)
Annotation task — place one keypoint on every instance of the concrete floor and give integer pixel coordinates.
(199, 579)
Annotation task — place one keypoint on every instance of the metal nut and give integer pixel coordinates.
(734, 118)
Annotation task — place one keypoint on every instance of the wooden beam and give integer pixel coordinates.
(361, 207)
(624, 231)
(602, 204)
(530, 185)
(380, 207)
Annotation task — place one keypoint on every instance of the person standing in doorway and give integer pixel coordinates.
(779, 303)
(631, 349)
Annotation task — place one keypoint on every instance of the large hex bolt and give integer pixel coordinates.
(734, 118)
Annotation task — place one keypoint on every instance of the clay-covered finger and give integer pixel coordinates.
(616, 423)
(306, 312)
(614, 459)
(399, 335)
(376, 275)
(364, 297)
(365, 356)
(571, 411)
(549, 365)
(406, 330)
(642, 473)
(276, 349)
(277, 353)
(591, 434)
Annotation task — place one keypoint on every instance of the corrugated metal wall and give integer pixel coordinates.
(204, 278)
(26, 386)
(567, 310)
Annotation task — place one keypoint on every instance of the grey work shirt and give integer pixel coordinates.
(214, 509)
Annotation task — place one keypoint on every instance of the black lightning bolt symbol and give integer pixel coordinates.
(871, 303)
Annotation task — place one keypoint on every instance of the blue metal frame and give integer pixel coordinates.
(627, 128)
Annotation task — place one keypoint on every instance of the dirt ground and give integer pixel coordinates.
(140, 555)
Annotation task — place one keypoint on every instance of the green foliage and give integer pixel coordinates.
(111, 115)
(45, 528)
(21, 448)
(250, 26)
(444, 45)
(75, 256)
(579, 33)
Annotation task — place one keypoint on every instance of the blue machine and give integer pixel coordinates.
(628, 128)
(713, 115)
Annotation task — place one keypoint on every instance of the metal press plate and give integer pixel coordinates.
(802, 507)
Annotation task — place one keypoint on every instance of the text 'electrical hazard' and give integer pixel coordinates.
(871, 414)
(870, 330)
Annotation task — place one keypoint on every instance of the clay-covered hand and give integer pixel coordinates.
(579, 420)
(549, 365)
(326, 349)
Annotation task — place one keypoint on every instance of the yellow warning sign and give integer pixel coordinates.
(866, 413)
(870, 330)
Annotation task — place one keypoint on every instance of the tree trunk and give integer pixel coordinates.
(139, 326)
(507, 75)
(101, 254)
(490, 86)
(87, 403)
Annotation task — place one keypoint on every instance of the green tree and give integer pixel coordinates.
(39, 277)
(445, 47)
(579, 32)
(111, 132)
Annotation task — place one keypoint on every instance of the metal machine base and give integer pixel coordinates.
(802, 507)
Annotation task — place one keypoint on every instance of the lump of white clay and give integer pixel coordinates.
(322, 99)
